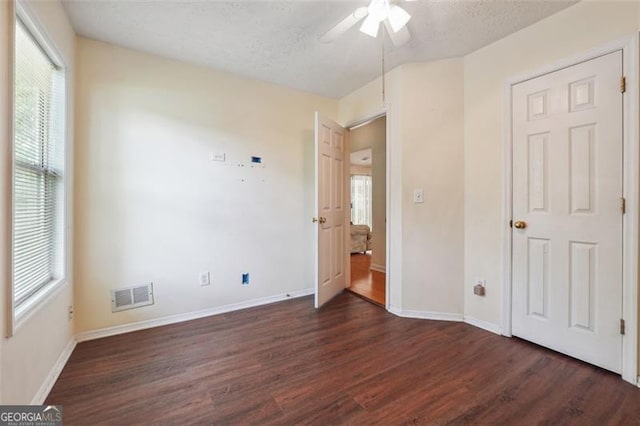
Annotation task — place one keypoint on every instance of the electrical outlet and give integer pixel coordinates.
(479, 287)
(204, 279)
(245, 279)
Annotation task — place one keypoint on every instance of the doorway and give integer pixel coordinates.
(368, 238)
(567, 238)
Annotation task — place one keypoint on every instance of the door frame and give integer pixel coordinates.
(382, 112)
(631, 175)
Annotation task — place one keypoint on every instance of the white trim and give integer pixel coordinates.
(365, 121)
(630, 219)
(173, 319)
(397, 272)
(378, 268)
(447, 316)
(53, 375)
(428, 315)
(367, 118)
(394, 259)
(315, 250)
(39, 33)
(507, 209)
(36, 302)
(485, 325)
(8, 170)
(16, 317)
(631, 165)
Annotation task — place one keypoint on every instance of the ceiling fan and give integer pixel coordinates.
(385, 12)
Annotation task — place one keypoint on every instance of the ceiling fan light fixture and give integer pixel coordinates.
(379, 9)
(370, 26)
(398, 18)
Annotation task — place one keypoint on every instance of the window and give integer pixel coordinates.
(361, 200)
(38, 169)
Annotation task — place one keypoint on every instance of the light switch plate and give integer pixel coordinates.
(204, 279)
(418, 196)
(218, 156)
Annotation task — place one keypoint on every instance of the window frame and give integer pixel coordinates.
(19, 315)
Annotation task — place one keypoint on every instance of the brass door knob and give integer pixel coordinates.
(323, 219)
(519, 224)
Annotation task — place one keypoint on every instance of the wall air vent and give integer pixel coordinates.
(131, 297)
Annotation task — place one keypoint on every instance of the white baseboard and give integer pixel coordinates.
(394, 310)
(53, 375)
(439, 316)
(446, 316)
(173, 319)
(379, 268)
(485, 325)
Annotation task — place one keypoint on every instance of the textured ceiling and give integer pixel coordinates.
(277, 41)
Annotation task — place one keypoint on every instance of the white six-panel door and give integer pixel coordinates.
(331, 209)
(567, 189)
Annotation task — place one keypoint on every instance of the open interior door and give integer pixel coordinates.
(332, 209)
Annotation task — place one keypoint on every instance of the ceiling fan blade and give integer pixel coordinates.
(370, 26)
(398, 38)
(344, 25)
(398, 17)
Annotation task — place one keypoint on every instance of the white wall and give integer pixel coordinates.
(374, 136)
(152, 207)
(425, 148)
(27, 358)
(575, 30)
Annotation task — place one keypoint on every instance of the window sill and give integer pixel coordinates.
(35, 303)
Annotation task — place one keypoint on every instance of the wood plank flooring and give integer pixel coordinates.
(347, 363)
(365, 282)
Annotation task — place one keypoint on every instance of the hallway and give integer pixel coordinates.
(365, 282)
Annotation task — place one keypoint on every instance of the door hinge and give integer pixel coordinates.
(623, 205)
(623, 84)
(621, 326)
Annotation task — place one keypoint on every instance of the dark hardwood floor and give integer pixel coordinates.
(349, 362)
(365, 282)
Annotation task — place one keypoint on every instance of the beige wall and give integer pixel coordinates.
(573, 31)
(149, 202)
(152, 207)
(416, 93)
(374, 136)
(27, 358)
(576, 30)
(425, 148)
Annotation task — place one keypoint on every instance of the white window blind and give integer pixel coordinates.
(361, 200)
(38, 206)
